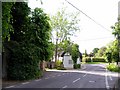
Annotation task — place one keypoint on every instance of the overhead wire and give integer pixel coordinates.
(87, 16)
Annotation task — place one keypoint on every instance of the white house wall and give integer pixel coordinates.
(78, 60)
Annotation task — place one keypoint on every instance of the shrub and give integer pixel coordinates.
(24, 61)
(87, 59)
(61, 68)
(58, 63)
(94, 59)
(76, 66)
(113, 67)
(98, 59)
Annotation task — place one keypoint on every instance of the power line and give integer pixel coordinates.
(87, 16)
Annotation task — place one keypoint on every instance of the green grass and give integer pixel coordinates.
(114, 68)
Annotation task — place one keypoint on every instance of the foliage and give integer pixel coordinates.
(76, 66)
(63, 25)
(95, 50)
(6, 16)
(75, 53)
(61, 68)
(94, 59)
(23, 62)
(113, 49)
(29, 41)
(65, 45)
(87, 59)
(113, 67)
(98, 59)
(58, 63)
(109, 56)
(116, 46)
(19, 20)
(40, 33)
(101, 52)
(116, 29)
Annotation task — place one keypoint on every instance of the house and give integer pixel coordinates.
(67, 60)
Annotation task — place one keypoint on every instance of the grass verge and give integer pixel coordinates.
(114, 68)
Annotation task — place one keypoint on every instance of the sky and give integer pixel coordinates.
(91, 35)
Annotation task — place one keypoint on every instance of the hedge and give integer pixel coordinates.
(87, 59)
(24, 61)
(94, 59)
(76, 66)
(98, 59)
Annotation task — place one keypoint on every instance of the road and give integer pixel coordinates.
(90, 76)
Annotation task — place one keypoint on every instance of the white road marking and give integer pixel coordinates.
(26, 83)
(38, 80)
(63, 74)
(106, 81)
(65, 86)
(85, 75)
(76, 80)
(92, 81)
(110, 77)
(10, 87)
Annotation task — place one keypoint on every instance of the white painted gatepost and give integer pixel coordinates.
(67, 61)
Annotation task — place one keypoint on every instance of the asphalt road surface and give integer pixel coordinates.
(90, 76)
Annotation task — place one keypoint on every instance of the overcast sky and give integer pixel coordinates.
(91, 35)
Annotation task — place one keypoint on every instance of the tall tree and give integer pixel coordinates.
(6, 16)
(116, 33)
(113, 52)
(64, 25)
(75, 53)
(41, 32)
(19, 12)
(101, 51)
(95, 50)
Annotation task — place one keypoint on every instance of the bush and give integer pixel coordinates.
(87, 59)
(61, 68)
(58, 63)
(98, 59)
(94, 59)
(24, 61)
(76, 66)
(113, 67)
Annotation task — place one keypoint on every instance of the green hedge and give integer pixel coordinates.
(76, 66)
(24, 61)
(87, 59)
(94, 59)
(61, 68)
(98, 59)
